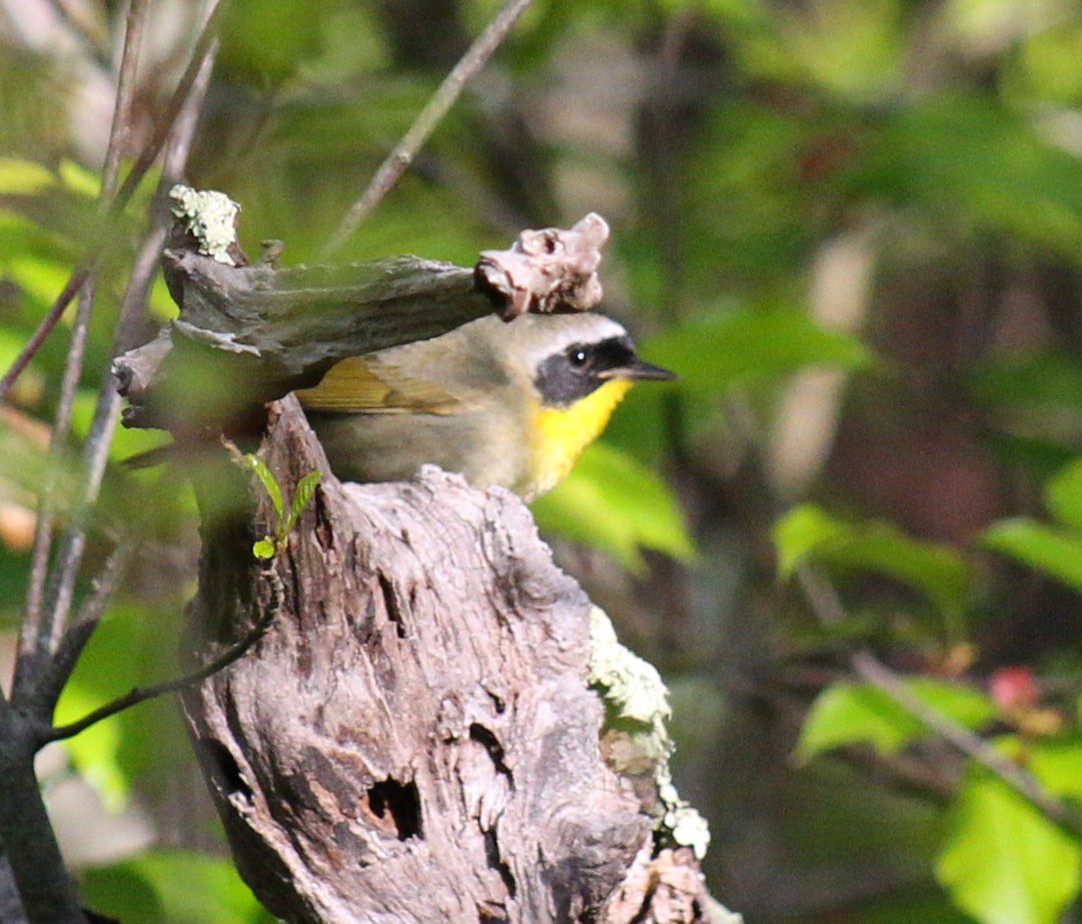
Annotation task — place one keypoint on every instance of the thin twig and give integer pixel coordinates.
(828, 610)
(55, 675)
(71, 288)
(118, 130)
(204, 48)
(99, 439)
(127, 79)
(44, 620)
(443, 99)
(76, 21)
(44, 617)
(146, 158)
(36, 636)
(142, 694)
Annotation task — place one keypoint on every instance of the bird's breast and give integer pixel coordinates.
(560, 434)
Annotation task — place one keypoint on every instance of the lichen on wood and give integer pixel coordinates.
(414, 737)
(259, 332)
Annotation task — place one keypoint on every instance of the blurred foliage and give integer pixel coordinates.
(132, 648)
(847, 712)
(1055, 549)
(612, 502)
(1003, 862)
(809, 533)
(853, 226)
(173, 887)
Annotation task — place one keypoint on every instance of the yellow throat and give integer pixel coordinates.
(560, 434)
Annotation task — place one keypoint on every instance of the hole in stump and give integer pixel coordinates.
(399, 801)
(224, 768)
(491, 743)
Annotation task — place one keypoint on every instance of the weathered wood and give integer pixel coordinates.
(413, 739)
(249, 334)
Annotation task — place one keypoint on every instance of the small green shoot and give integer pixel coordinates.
(266, 548)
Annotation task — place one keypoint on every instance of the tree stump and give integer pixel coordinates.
(413, 737)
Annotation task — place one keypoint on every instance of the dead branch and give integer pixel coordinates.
(259, 332)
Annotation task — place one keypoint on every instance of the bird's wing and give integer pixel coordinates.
(371, 386)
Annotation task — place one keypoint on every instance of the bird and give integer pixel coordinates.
(510, 403)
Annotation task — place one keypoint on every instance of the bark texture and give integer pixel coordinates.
(248, 334)
(413, 739)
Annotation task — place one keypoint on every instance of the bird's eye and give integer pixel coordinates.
(577, 358)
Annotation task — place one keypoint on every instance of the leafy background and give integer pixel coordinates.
(854, 227)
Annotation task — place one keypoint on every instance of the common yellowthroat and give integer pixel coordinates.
(508, 403)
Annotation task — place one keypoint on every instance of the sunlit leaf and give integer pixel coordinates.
(1063, 495)
(1056, 551)
(800, 532)
(809, 533)
(856, 50)
(1047, 67)
(172, 887)
(78, 179)
(41, 278)
(132, 647)
(23, 177)
(1004, 862)
(269, 482)
(851, 713)
(1056, 764)
(612, 502)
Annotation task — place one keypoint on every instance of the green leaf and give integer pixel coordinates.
(302, 497)
(800, 532)
(264, 549)
(1063, 495)
(966, 159)
(174, 886)
(1056, 551)
(725, 348)
(857, 51)
(1056, 764)
(612, 502)
(23, 177)
(809, 533)
(78, 179)
(1038, 457)
(269, 482)
(1004, 862)
(848, 713)
(40, 276)
(133, 646)
(1050, 380)
(269, 39)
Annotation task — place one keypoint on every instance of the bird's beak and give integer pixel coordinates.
(636, 369)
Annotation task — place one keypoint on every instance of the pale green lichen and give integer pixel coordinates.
(211, 217)
(633, 687)
(637, 703)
